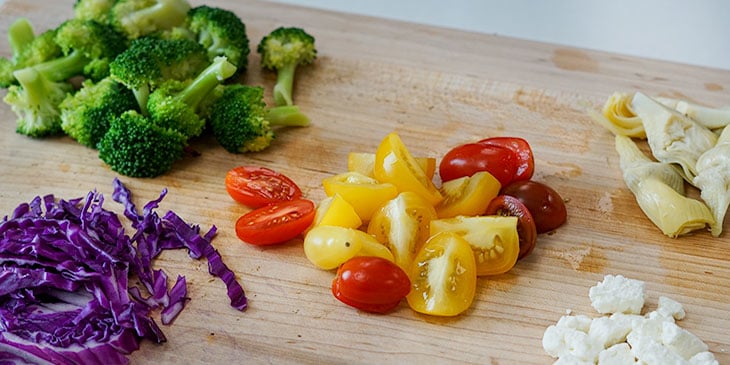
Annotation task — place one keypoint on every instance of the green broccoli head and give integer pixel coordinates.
(138, 18)
(35, 101)
(86, 114)
(27, 50)
(97, 10)
(282, 51)
(175, 104)
(221, 32)
(149, 62)
(241, 122)
(136, 147)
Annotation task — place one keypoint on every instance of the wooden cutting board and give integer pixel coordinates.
(437, 88)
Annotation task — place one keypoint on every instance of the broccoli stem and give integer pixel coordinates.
(63, 68)
(20, 34)
(284, 84)
(142, 93)
(287, 115)
(164, 14)
(206, 81)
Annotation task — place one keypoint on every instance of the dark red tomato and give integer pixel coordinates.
(522, 151)
(275, 223)
(257, 186)
(371, 284)
(545, 204)
(506, 205)
(470, 158)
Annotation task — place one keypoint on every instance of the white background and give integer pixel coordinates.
(691, 32)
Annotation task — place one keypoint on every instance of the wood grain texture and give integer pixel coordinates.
(436, 88)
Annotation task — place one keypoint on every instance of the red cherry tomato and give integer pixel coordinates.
(275, 223)
(470, 158)
(545, 204)
(257, 186)
(506, 205)
(522, 151)
(371, 284)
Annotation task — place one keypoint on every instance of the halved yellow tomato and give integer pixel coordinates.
(443, 276)
(365, 194)
(328, 247)
(394, 164)
(468, 195)
(402, 224)
(336, 211)
(364, 163)
(493, 239)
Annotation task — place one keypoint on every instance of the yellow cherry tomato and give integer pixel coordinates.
(364, 163)
(365, 194)
(493, 239)
(443, 276)
(394, 164)
(336, 211)
(402, 224)
(468, 195)
(328, 247)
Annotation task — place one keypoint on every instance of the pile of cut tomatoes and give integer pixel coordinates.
(393, 229)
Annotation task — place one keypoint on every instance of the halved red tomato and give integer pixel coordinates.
(506, 205)
(523, 152)
(371, 284)
(470, 158)
(275, 223)
(257, 186)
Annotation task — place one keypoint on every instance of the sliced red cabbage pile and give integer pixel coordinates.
(65, 267)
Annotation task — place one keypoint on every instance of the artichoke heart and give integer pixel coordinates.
(713, 180)
(712, 118)
(673, 137)
(618, 117)
(659, 191)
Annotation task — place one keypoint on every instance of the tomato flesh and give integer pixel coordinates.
(544, 203)
(525, 160)
(257, 186)
(275, 223)
(371, 284)
(470, 158)
(509, 206)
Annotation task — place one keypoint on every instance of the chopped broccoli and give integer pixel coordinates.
(27, 50)
(282, 51)
(86, 114)
(88, 49)
(97, 10)
(241, 122)
(221, 32)
(138, 18)
(149, 62)
(175, 103)
(35, 101)
(136, 147)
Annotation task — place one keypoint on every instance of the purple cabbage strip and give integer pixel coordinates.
(64, 278)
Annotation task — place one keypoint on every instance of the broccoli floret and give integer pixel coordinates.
(136, 147)
(241, 122)
(137, 18)
(86, 114)
(149, 62)
(27, 50)
(97, 10)
(175, 103)
(35, 101)
(88, 48)
(221, 32)
(282, 51)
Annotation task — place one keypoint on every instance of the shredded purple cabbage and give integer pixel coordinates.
(64, 278)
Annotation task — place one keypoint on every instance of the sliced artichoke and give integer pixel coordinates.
(712, 118)
(659, 191)
(673, 137)
(618, 117)
(713, 180)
